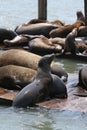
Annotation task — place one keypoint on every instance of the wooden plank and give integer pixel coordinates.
(6, 96)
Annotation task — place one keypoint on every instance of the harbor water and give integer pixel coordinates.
(13, 13)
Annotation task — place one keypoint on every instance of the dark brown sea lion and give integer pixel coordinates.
(6, 34)
(39, 89)
(35, 21)
(70, 43)
(82, 31)
(36, 29)
(80, 16)
(83, 78)
(15, 77)
(58, 90)
(43, 86)
(27, 59)
(64, 30)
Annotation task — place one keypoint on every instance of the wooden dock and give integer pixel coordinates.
(72, 103)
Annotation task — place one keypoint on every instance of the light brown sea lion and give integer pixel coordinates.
(43, 46)
(36, 29)
(27, 59)
(15, 77)
(58, 41)
(81, 47)
(79, 42)
(64, 30)
(19, 40)
(36, 44)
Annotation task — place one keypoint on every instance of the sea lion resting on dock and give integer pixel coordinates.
(73, 45)
(6, 34)
(40, 87)
(82, 82)
(63, 31)
(27, 59)
(36, 44)
(15, 77)
(35, 21)
(83, 78)
(36, 29)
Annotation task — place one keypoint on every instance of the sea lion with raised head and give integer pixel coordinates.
(39, 89)
(70, 43)
(80, 16)
(65, 30)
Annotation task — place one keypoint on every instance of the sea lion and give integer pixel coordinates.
(82, 31)
(19, 40)
(43, 46)
(36, 44)
(27, 59)
(36, 29)
(80, 16)
(6, 34)
(15, 77)
(70, 43)
(83, 78)
(39, 89)
(58, 90)
(65, 30)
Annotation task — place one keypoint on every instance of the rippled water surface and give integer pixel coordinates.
(13, 13)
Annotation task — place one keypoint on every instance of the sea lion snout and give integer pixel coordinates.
(47, 59)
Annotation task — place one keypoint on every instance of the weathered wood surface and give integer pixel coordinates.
(73, 103)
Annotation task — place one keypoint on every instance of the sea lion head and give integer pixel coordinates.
(46, 60)
(80, 16)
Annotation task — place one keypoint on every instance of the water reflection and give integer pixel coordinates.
(71, 65)
(41, 119)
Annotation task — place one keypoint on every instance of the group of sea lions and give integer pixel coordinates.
(37, 77)
(44, 37)
(34, 76)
